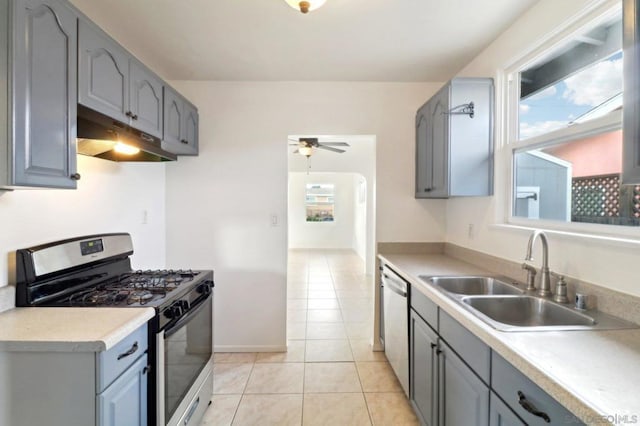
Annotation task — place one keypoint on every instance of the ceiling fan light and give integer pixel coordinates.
(306, 151)
(305, 6)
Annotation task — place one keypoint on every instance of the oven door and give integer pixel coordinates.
(184, 352)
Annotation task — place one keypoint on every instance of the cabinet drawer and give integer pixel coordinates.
(425, 308)
(111, 363)
(475, 353)
(507, 381)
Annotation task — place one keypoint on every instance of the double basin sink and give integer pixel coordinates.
(506, 306)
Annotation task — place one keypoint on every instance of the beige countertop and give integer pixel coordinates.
(595, 374)
(68, 329)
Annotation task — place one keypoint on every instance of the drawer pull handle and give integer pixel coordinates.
(522, 400)
(131, 351)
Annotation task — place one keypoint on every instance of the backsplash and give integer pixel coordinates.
(7, 298)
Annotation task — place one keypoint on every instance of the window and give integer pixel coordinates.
(319, 202)
(566, 132)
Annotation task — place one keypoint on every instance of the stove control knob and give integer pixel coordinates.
(174, 311)
(204, 288)
(184, 305)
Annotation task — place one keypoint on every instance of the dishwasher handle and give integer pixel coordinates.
(390, 284)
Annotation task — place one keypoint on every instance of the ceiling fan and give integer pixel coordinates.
(307, 145)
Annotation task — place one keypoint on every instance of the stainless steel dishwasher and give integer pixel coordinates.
(396, 325)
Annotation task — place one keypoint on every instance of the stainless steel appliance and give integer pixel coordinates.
(396, 324)
(96, 271)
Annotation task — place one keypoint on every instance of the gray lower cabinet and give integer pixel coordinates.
(501, 415)
(60, 388)
(450, 370)
(423, 366)
(464, 398)
(114, 83)
(38, 60)
(454, 141)
(525, 398)
(443, 389)
(124, 402)
(180, 124)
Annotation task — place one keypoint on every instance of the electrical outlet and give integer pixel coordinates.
(274, 219)
(471, 231)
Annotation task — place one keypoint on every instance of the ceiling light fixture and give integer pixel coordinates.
(305, 6)
(306, 151)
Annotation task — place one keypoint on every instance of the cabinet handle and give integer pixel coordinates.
(134, 117)
(433, 346)
(75, 176)
(428, 189)
(184, 141)
(131, 351)
(438, 351)
(128, 114)
(146, 369)
(522, 400)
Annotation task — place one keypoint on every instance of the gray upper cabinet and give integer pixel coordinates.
(454, 141)
(114, 83)
(145, 92)
(103, 80)
(180, 124)
(38, 59)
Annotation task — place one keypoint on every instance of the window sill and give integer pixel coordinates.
(608, 238)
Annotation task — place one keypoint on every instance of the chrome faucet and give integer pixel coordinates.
(545, 279)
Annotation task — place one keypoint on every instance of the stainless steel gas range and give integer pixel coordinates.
(96, 271)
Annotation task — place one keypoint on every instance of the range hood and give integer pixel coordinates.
(100, 136)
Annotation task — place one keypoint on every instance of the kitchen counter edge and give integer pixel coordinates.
(72, 329)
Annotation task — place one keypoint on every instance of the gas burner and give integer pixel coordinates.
(156, 281)
(139, 296)
(98, 297)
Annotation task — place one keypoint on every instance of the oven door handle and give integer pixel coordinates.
(173, 328)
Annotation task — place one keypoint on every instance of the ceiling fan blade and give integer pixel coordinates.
(294, 144)
(334, 143)
(328, 148)
(293, 140)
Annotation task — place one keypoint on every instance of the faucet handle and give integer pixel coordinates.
(561, 289)
(531, 276)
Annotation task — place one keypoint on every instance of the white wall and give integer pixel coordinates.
(219, 204)
(110, 197)
(338, 234)
(360, 201)
(599, 262)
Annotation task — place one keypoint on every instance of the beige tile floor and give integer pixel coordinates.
(329, 374)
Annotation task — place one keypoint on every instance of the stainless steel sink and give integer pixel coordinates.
(472, 285)
(526, 311)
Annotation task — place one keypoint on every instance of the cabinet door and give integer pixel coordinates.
(501, 415)
(423, 384)
(173, 120)
(464, 398)
(424, 153)
(439, 140)
(44, 72)
(124, 403)
(103, 73)
(189, 141)
(145, 94)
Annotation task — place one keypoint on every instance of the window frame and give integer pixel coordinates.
(593, 14)
(333, 203)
